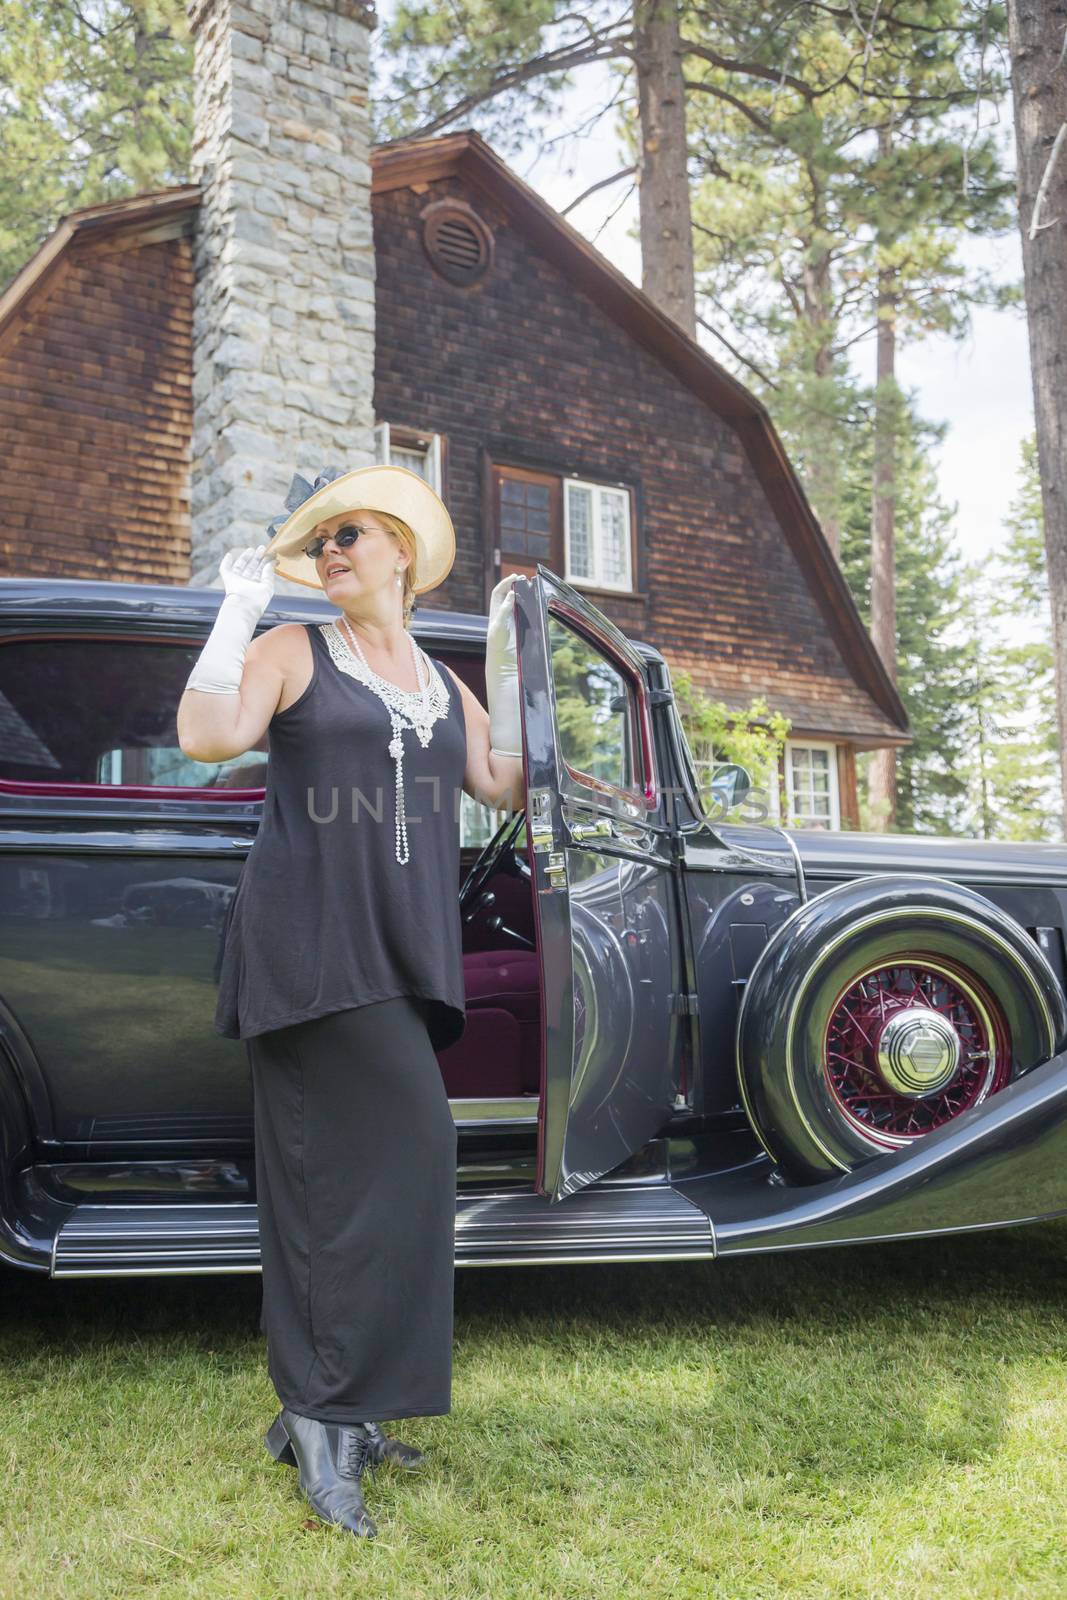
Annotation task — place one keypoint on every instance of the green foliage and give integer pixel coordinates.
(501, 65)
(592, 733)
(1014, 789)
(974, 656)
(802, 211)
(96, 104)
(933, 668)
(1024, 586)
(835, 193)
(753, 737)
(592, 727)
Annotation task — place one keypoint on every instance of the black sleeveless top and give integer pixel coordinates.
(324, 917)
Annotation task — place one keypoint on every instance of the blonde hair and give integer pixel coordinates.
(404, 536)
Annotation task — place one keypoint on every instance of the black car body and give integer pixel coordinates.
(685, 1037)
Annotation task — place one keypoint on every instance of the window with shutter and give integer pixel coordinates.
(397, 446)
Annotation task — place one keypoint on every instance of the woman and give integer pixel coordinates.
(342, 961)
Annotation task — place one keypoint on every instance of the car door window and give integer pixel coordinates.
(595, 712)
(104, 712)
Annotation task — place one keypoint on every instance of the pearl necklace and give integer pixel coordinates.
(432, 698)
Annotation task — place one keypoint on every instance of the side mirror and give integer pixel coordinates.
(729, 786)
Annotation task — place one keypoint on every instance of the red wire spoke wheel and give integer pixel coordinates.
(911, 1045)
(882, 1010)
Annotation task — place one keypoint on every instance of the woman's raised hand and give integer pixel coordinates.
(249, 574)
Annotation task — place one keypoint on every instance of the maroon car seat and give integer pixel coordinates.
(500, 1051)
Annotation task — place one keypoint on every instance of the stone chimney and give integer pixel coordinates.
(283, 305)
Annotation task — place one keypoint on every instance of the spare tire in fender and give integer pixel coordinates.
(882, 1009)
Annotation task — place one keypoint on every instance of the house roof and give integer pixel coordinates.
(467, 156)
(157, 214)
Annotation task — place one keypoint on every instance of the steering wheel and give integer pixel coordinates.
(499, 855)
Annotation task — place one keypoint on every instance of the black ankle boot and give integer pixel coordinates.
(385, 1448)
(331, 1459)
(382, 1447)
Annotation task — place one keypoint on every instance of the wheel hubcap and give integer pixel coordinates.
(911, 1045)
(918, 1051)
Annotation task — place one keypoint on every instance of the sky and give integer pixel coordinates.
(979, 386)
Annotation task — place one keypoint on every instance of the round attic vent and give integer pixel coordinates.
(457, 241)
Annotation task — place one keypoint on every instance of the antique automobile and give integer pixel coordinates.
(690, 1032)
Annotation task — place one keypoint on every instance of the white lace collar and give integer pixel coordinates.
(391, 693)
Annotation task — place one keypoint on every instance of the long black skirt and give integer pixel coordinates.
(356, 1192)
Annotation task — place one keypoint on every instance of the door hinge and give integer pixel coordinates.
(686, 1005)
(540, 820)
(556, 869)
(599, 828)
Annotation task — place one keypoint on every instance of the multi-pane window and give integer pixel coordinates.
(527, 520)
(597, 535)
(396, 446)
(580, 530)
(525, 513)
(811, 785)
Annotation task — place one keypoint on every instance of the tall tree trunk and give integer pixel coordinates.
(663, 173)
(822, 469)
(821, 458)
(1036, 30)
(882, 781)
(981, 732)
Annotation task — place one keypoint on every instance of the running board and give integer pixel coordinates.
(613, 1222)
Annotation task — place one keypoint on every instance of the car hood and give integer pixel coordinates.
(828, 854)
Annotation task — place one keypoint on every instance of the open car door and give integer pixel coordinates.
(604, 888)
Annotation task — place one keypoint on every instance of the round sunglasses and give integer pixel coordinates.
(343, 537)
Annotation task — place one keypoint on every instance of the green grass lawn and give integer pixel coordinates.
(873, 1421)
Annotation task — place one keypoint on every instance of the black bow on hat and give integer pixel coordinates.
(299, 491)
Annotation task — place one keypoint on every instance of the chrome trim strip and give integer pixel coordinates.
(612, 1222)
(569, 1260)
(518, 1110)
(887, 1238)
(802, 882)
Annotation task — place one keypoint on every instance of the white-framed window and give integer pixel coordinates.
(396, 446)
(811, 786)
(596, 535)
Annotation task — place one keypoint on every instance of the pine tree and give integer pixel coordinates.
(830, 205)
(932, 657)
(97, 104)
(1021, 793)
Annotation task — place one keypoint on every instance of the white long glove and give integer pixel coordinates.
(249, 583)
(502, 671)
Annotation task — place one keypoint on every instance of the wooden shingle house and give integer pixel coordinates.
(167, 362)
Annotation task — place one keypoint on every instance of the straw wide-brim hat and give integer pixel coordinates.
(394, 489)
